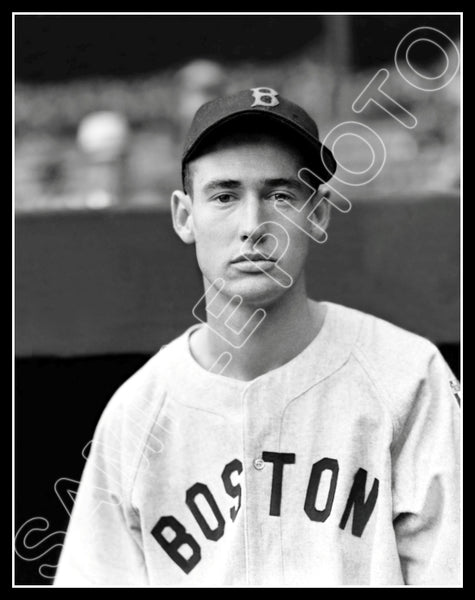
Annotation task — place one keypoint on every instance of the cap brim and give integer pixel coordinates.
(324, 165)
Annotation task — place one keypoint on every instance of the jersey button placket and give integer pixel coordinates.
(261, 433)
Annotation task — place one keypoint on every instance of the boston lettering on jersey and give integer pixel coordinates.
(361, 505)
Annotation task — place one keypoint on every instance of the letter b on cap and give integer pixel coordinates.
(264, 96)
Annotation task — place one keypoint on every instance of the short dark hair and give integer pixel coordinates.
(244, 127)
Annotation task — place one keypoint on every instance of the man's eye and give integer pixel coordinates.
(223, 198)
(281, 197)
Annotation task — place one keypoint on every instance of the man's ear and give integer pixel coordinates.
(182, 218)
(320, 217)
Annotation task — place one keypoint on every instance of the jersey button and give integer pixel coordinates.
(259, 464)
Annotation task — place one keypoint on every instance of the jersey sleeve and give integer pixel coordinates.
(103, 542)
(426, 486)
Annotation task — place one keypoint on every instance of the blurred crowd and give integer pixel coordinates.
(99, 142)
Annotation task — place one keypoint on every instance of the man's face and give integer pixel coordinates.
(236, 189)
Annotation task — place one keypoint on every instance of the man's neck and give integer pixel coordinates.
(282, 332)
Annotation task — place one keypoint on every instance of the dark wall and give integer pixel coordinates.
(57, 405)
(119, 281)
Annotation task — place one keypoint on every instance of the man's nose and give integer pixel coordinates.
(252, 222)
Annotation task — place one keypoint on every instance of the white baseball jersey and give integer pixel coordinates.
(338, 468)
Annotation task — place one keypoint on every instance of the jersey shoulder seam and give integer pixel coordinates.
(143, 444)
(365, 364)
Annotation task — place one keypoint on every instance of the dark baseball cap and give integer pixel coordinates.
(265, 103)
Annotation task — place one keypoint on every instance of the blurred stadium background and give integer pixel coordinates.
(101, 281)
(155, 71)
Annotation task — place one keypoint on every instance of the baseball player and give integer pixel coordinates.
(284, 441)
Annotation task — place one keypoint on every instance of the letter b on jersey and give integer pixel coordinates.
(181, 539)
(264, 96)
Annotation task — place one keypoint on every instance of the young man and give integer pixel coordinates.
(286, 441)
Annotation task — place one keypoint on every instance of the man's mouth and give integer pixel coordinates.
(253, 257)
(254, 262)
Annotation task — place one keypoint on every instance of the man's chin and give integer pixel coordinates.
(257, 291)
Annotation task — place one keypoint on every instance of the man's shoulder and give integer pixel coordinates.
(399, 363)
(124, 430)
(141, 395)
(393, 354)
(379, 338)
